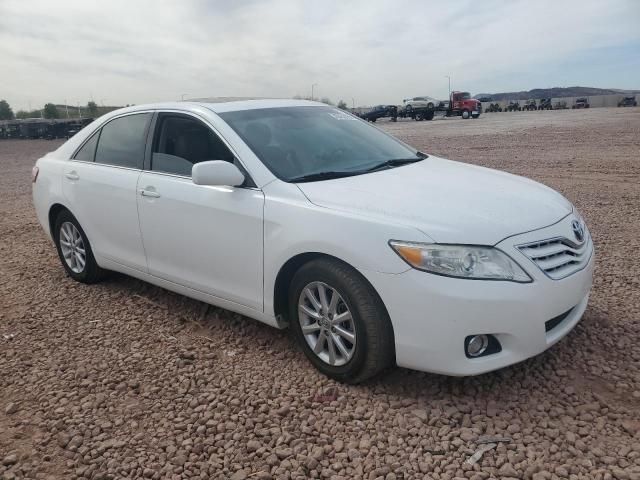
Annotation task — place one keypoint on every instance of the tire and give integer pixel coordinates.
(373, 348)
(374, 119)
(429, 115)
(475, 116)
(90, 272)
(466, 114)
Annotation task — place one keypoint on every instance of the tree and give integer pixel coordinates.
(5, 111)
(93, 107)
(51, 111)
(342, 105)
(326, 100)
(22, 114)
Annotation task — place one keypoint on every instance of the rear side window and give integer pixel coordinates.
(122, 141)
(181, 142)
(88, 150)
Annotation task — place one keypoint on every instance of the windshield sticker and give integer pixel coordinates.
(341, 116)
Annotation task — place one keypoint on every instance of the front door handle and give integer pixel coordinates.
(72, 175)
(149, 193)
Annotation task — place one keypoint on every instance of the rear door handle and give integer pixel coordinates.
(149, 193)
(72, 175)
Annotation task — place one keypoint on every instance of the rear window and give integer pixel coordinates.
(88, 150)
(122, 141)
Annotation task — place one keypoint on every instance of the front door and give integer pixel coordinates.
(206, 238)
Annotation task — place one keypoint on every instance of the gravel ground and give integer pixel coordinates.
(126, 380)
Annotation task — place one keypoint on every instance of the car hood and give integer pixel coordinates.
(451, 202)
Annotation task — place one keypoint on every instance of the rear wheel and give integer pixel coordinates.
(74, 249)
(339, 321)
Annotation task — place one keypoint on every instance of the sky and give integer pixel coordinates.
(364, 52)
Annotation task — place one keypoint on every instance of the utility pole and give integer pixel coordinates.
(353, 104)
(79, 114)
(66, 107)
(313, 85)
(449, 77)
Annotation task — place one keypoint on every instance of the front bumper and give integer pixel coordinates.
(432, 315)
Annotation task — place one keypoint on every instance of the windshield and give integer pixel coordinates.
(295, 142)
(465, 95)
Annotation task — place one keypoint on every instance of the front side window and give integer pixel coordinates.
(181, 142)
(122, 141)
(304, 143)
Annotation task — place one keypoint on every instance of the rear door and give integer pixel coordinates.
(100, 184)
(203, 237)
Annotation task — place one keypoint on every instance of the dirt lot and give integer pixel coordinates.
(123, 379)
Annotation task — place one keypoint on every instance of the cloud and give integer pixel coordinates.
(375, 52)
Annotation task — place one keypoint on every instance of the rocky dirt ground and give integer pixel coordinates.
(126, 380)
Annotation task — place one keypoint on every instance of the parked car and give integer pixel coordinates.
(513, 107)
(545, 104)
(581, 103)
(420, 102)
(380, 111)
(300, 215)
(530, 105)
(628, 102)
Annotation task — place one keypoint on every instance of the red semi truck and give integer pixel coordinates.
(461, 104)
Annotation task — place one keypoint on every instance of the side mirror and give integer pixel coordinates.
(217, 173)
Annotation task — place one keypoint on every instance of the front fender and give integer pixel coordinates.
(294, 226)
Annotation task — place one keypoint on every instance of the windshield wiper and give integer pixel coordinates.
(394, 162)
(328, 175)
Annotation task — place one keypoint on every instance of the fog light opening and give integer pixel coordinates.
(477, 345)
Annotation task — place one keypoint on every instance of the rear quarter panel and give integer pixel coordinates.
(47, 190)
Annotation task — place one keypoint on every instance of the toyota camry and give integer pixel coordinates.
(305, 217)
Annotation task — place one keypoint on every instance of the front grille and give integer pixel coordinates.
(559, 257)
(555, 321)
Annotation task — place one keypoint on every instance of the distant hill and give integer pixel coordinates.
(555, 92)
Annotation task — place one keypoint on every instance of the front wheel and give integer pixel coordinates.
(339, 321)
(466, 114)
(74, 250)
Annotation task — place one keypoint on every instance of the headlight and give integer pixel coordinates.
(461, 261)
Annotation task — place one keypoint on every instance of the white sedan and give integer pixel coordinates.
(303, 216)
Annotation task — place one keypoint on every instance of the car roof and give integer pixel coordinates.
(221, 105)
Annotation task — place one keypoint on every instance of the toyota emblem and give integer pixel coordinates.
(578, 230)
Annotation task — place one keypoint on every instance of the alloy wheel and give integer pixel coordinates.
(327, 324)
(72, 247)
